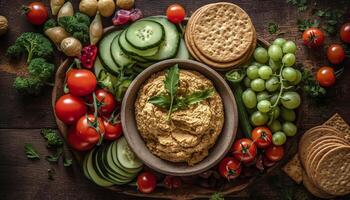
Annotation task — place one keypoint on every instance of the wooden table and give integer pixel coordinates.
(21, 118)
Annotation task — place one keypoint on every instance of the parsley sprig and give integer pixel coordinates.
(171, 100)
(31, 152)
(301, 4)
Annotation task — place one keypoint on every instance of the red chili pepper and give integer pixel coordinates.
(88, 56)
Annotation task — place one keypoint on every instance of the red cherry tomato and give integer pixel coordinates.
(81, 82)
(112, 131)
(146, 182)
(274, 153)
(175, 13)
(69, 108)
(313, 37)
(345, 33)
(325, 76)
(230, 168)
(90, 130)
(262, 136)
(335, 54)
(107, 100)
(36, 13)
(76, 142)
(244, 150)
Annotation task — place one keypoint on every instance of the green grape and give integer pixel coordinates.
(290, 74)
(253, 72)
(288, 114)
(298, 79)
(289, 47)
(275, 65)
(258, 118)
(288, 59)
(260, 55)
(279, 138)
(273, 98)
(272, 84)
(257, 85)
(275, 52)
(264, 106)
(275, 126)
(276, 112)
(289, 128)
(246, 82)
(249, 98)
(279, 41)
(290, 100)
(265, 72)
(262, 96)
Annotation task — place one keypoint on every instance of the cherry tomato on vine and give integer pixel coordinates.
(345, 33)
(335, 54)
(36, 13)
(230, 168)
(244, 150)
(81, 82)
(89, 129)
(69, 108)
(76, 142)
(112, 130)
(325, 76)
(262, 136)
(175, 13)
(146, 182)
(274, 153)
(313, 37)
(107, 101)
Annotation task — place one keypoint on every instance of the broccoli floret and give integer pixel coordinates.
(53, 139)
(77, 25)
(41, 69)
(35, 44)
(40, 72)
(28, 85)
(49, 24)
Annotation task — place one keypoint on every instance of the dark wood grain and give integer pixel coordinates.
(22, 117)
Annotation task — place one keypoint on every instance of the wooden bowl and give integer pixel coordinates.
(216, 153)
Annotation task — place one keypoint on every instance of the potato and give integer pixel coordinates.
(3, 25)
(88, 7)
(66, 10)
(56, 6)
(96, 29)
(125, 4)
(71, 47)
(56, 34)
(106, 7)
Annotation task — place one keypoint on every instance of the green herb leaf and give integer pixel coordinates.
(332, 18)
(305, 24)
(217, 196)
(301, 4)
(31, 152)
(67, 162)
(193, 98)
(311, 86)
(162, 101)
(272, 28)
(55, 157)
(171, 82)
(52, 137)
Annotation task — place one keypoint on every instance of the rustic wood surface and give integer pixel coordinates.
(21, 118)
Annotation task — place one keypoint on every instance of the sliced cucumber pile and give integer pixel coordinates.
(112, 164)
(143, 43)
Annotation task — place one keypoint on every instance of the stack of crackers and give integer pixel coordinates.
(221, 35)
(324, 154)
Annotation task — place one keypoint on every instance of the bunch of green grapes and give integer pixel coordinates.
(270, 96)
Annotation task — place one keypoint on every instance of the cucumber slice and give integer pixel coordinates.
(114, 154)
(168, 48)
(93, 174)
(145, 34)
(105, 53)
(119, 56)
(98, 67)
(85, 167)
(98, 166)
(126, 157)
(128, 49)
(182, 52)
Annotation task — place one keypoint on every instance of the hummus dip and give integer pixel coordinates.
(191, 132)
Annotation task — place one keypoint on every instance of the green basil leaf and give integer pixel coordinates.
(162, 101)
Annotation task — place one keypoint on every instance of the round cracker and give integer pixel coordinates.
(314, 189)
(223, 32)
(333, 171)
(311, 135)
